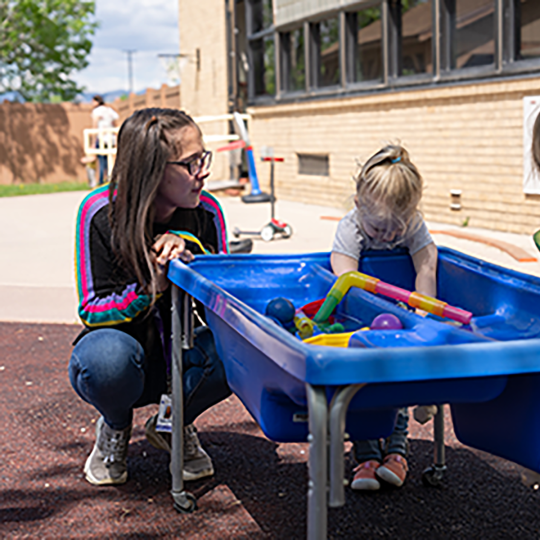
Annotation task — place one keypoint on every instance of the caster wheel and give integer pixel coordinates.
(267, 233)
(287, 231)
(185, 503)
(236, 232)
(433, 476)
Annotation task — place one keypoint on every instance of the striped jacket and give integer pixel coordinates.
(109, 295)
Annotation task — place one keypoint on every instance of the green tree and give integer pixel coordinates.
(42, 44)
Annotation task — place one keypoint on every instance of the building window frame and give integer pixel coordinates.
(506, 61)
(256, 38)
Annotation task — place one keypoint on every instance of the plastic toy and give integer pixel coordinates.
(330, 340)
(386, 321)
(282, 310)
(304, 325)
(536, 238)
(374, 285)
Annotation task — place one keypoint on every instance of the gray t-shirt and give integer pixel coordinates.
(351, 239)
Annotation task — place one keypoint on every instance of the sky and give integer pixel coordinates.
(148, 26)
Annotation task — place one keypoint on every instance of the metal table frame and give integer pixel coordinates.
(326, 453)
(326, 437)
(182, 339)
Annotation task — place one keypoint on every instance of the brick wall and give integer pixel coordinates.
(467, 137)
(42, 142)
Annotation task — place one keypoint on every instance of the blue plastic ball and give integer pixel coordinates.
(281, 309)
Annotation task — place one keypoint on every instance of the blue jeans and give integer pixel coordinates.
(396, 443)
(108, 370)
(102, 165)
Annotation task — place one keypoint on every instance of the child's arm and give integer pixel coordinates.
(425, 264)
(342, 263)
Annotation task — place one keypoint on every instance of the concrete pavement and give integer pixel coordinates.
(37, 245)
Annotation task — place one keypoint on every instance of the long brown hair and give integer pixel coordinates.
(146, 141)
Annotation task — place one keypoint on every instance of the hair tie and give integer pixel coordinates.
(396, 159)
(151, 122)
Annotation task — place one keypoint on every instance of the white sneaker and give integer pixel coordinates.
(197, 463)
(107, 463)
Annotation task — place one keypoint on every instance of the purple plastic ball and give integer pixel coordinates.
(386, 321)
(281, 309)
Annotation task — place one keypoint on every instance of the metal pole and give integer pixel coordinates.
(338, 411)
(183, 501)
(318, 463)
(438, 432)
(272, 197)
(129, 53)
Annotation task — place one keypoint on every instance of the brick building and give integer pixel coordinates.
(327, 82)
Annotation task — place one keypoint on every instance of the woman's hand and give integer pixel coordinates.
(166, 248)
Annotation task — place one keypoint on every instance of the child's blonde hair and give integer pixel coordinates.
(389, 186)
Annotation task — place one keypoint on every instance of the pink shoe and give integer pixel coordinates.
(393, 470)
(365, 478)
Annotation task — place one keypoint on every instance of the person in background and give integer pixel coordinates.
(103, 117)
(386, 216)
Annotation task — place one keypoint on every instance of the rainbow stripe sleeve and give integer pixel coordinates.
(101, 308)
(210, 203)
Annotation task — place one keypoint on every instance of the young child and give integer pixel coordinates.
(386, 216)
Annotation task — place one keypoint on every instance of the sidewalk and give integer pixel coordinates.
(37, 245)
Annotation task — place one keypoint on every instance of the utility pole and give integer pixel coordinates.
(129, 53)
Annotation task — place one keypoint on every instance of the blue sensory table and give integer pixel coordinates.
(488, 371)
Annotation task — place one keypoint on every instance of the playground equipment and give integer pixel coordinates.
(101, 142)
(488, 372)
(274, 226)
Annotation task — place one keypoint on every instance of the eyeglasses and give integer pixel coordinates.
(196, 165)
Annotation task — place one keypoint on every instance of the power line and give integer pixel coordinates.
(129, 53)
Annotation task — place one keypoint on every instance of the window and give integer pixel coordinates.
(416, 37)
(262, 15)
(473, 42)
(329, 52)
(261, 48)
(263, 54)
(529, 29)
(367, 49)
(293, 60)
(347, 47)
(313, 164)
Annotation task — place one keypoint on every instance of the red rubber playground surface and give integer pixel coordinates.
(259, 490)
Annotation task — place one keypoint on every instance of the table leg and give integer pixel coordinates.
(338, 412)
(318, 462)
(434, 475)
(183, 501)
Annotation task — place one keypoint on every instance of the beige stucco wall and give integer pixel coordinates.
(42, 142)
(467, 137)
(204, 83)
